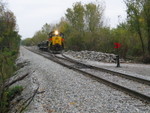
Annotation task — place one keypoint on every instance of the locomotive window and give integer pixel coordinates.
(62, 35)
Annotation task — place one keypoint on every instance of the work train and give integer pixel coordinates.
(54, 44)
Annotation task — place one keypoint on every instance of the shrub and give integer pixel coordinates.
(7, 96)
(146, 59)
(14, 91)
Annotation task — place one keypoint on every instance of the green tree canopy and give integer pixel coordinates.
(138, 12)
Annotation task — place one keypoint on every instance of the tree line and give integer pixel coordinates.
(85, 29)
(9, 48)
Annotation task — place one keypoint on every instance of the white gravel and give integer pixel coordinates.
(67, 91)
(136, 86)
(133, 69)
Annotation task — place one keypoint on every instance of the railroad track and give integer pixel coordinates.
(120, 81)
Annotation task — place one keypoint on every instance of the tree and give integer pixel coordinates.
(38, 37)
(76, 16)
(26, 42)
(93, 17)
(146, 13)
(47, 28)
(93, 23)
(9, 47)
(138, 15)
(134, 11)
(84, 22)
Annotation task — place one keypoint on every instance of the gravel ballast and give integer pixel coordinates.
(66, 91)
(134, 69)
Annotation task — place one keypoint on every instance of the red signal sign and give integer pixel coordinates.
(117, 45)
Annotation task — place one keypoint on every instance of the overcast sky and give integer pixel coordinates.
(33, 14)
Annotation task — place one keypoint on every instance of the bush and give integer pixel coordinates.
(14, 91)
(146, 59)
(7, 96)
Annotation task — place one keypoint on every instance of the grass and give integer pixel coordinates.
(8, 96)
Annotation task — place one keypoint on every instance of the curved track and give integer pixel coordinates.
(96, 72)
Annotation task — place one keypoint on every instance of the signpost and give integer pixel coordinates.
(117, 46)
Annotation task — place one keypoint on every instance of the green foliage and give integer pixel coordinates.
(64, 26)
(9, 48)
(4, 104)
(14, 91)
(8, 96)
(138, 17)
(7, 67)
(83, 24)
(134, 17)
(39, 36)
(75, 41)
(146, 59)
(93, 17)
(46, 28)
(76, 16)
(27, 42)
(146, 13)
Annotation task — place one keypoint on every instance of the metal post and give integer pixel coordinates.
(118, 62)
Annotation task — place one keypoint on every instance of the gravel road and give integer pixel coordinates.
(66, 91)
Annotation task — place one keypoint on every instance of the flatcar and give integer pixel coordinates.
(55, 42)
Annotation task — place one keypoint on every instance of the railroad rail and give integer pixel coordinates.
(138, 79)
(82, 68)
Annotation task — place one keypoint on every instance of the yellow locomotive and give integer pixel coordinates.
(55, 42)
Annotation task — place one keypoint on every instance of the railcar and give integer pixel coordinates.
(56, 40)
(54, 44)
